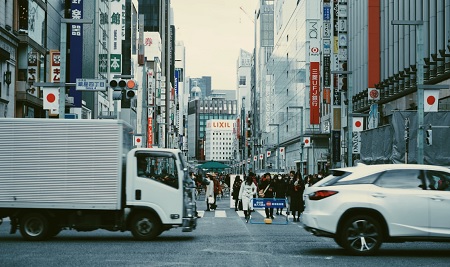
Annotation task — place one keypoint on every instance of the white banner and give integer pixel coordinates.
(430, 100)
(51, 99)
(358, 124)
(307, 141)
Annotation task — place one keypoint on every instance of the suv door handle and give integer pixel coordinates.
(378, 195)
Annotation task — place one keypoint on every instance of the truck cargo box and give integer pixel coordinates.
(64, 164)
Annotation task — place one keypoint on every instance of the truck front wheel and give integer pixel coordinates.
(34, 227)
(144, 226)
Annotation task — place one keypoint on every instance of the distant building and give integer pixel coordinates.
(199, 112)
(220, 140)
(204, 83)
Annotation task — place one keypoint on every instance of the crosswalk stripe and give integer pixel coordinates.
(240, 213)
(220, 213)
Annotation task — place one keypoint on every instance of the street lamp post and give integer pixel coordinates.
(278, 143)
(349, 112)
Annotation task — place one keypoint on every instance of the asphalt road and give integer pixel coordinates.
(222, 238)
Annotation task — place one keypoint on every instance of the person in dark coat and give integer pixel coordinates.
(297, 205)
(267, 189)
(236, 187)
(280, 190)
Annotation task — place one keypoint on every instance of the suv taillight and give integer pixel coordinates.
(318, 195)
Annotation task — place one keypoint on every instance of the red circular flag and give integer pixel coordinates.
(430, 100)
(358, 124)
(51, 98)
(138, 140)
(306, 141)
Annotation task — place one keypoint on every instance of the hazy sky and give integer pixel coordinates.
(213, 32)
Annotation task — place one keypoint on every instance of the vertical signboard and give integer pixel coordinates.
(313, 37)
(177, 76)
(76, 50)
(336, 142)
(33, 73)
(314, 94)
(115, 22)
(55, 67)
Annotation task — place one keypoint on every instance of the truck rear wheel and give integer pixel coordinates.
(34, 226)
(145, 226)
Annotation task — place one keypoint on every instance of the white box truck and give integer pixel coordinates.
(85, 175)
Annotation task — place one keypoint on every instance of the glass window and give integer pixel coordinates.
(242, 80)
(162, 169)
(402, 179)
(437, 180)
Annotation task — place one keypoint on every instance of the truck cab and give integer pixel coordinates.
(160, 193)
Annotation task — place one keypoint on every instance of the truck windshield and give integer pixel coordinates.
(158, 168)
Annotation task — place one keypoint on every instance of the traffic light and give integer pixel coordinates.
(130, 89)
(117, 93)
(123, 89)
(429, 136)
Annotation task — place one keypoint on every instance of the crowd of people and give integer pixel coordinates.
(288, 187)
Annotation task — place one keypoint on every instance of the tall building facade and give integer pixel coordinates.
(9, 45)
(264, 42)
(339, 70)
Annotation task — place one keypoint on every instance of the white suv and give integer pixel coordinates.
(361, 207)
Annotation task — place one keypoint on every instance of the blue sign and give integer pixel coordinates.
(177, 78)
(326, 13)
(76, 50)
(269, 203)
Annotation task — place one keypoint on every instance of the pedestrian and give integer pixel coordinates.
(266, 190)
(246, 192)
(209, 192)
(280, 190)
(297, 203)
(236, 187)
(289, 183)
(217, 189)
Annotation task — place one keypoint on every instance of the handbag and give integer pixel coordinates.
(210, 200)
(240, 207)
(262, 193)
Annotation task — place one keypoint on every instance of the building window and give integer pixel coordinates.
(242, 80)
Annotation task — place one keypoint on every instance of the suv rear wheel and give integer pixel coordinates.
(360, 235)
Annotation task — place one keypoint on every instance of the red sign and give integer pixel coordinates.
(314, 92)
(149, 132)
